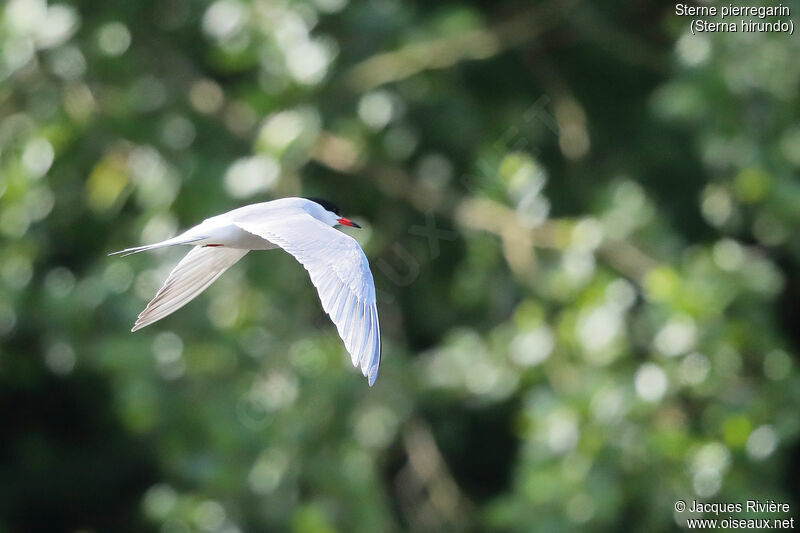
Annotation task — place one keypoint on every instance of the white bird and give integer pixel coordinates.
(303, 227)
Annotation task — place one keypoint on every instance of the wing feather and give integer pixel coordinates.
(337, 301)
(347, 321)
(367, 359)
(195, 272)
(375, 359)
(340, 272)
(364, 336)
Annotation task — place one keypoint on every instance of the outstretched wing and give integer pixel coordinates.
(340, 272)
(196, 271)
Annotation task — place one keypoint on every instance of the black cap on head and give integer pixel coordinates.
(327, 205)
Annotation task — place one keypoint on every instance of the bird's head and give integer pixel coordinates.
(329, 213)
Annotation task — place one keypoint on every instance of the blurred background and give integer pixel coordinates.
(580, 219)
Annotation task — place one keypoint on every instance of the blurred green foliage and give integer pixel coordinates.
(581, 221)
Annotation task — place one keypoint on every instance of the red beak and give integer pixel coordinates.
(347, 222)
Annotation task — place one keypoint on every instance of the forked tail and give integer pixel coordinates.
(162, 244)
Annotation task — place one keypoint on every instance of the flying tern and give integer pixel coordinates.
(303, 227)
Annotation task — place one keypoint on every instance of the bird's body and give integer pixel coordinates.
(303, 228)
